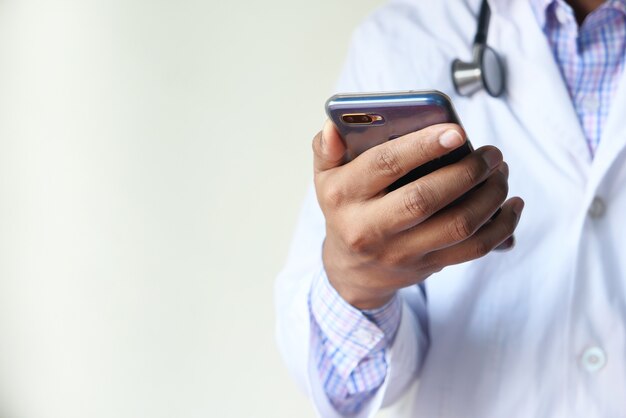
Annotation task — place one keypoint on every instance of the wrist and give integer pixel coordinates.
(360, 297)
(347, 281)
(364, 300)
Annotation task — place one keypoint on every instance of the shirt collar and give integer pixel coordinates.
(541, 8)
(618, 4)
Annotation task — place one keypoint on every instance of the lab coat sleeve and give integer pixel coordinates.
(294, 321)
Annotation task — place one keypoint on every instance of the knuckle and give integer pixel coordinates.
(388, 163)
(502, 188)
(425, 149)
(356, 240)
(332, 195)
(396, 258)
(418, 202)
(481, 248)
(473, 173)
(462, 227)
(431, 264)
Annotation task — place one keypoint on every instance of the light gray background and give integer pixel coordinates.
(153, 156)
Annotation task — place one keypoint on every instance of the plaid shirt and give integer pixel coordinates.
(591, 57)
(349, 344)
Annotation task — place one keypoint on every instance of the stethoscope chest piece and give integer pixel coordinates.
(485, 71)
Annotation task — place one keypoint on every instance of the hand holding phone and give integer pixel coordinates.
(380, 239)
(365, 120)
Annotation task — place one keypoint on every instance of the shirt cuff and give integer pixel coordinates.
(352, 334)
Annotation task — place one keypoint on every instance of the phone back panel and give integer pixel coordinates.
(403, 113)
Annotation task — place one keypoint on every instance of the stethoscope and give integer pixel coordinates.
(485, 71)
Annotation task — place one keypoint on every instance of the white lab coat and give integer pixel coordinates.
(534, 332)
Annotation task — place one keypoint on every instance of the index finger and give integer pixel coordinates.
(380, 166)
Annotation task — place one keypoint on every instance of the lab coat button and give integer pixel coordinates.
(597, 208)
(593, 359)
(364, 337)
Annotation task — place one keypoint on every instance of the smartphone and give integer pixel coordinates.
(365, 120)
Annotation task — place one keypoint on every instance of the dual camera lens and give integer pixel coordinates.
(361, 119)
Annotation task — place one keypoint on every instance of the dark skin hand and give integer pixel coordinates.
(377, 241)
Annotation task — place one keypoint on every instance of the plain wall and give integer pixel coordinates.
(153, 157)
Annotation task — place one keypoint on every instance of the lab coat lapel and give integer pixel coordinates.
(613, 141)
(536, 92)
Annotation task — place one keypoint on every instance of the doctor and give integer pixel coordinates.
(535, 331)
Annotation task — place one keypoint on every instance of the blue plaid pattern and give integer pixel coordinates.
(351, 345)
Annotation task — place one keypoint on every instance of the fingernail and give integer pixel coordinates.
(492, 158)
(451, 139)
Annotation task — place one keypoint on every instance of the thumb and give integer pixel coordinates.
(328, 148)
